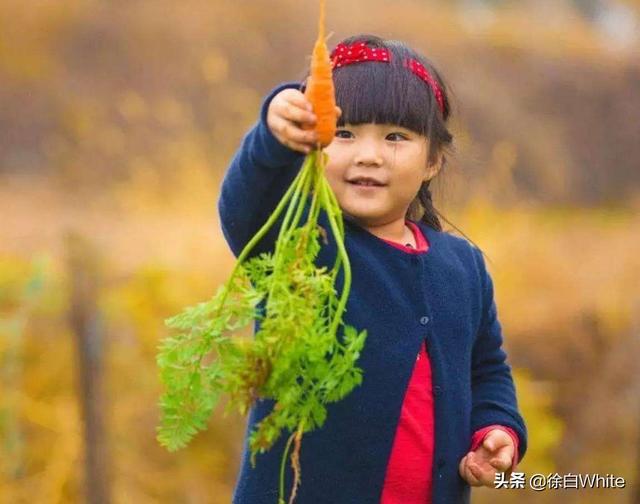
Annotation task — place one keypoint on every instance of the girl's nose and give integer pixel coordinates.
(369, 153)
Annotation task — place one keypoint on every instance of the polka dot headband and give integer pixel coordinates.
(358, 52)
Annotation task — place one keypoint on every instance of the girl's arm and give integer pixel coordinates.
(493, 391)
(259, 175)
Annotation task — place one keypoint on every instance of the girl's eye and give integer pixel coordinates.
(399, 136)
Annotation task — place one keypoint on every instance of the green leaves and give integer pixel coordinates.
(295, 358)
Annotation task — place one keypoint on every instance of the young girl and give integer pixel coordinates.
(436, 411)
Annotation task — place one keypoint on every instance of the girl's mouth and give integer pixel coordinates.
(366, 187)
(365, 182)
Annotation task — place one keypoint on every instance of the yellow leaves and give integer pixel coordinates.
(548, 264)
(81, 118)
(545, 429)
(215, 67)
(111, 140)
(504, 156)
(170, 112)
(523, 28)
(132, 106)
(164, 110)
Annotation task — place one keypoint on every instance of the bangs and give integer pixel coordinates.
(384, 93)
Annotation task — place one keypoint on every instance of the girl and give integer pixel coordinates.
(436, 411)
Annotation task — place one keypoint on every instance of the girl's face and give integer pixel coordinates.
(392, 158)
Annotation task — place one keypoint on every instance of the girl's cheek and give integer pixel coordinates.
(336, 187)
(333, 171)
(329, 172)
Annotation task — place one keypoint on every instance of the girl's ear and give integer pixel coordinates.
(433, 169)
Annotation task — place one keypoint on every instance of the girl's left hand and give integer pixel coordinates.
(495, 454)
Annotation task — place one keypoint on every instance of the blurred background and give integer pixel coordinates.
(117, 122)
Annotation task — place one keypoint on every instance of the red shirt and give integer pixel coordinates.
(408, 478)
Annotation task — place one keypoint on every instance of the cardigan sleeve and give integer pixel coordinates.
(492, 387)
(258, 176)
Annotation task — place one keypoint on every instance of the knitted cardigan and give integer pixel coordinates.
(408, 479)
(443, 297)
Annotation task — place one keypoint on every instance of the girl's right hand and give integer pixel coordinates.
(288, 111)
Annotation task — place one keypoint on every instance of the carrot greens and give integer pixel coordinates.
(295, 358)
(302, 356)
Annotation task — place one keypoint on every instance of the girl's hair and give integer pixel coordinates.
(389, 93)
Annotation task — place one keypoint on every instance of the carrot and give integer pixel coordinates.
(320, 91)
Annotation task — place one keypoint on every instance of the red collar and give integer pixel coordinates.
(421, 241)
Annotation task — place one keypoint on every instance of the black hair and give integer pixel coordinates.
(371, 92)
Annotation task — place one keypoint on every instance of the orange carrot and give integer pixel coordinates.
(320, 91)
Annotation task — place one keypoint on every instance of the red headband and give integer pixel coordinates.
(355, 53)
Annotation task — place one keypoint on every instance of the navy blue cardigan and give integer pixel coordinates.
(443, 296)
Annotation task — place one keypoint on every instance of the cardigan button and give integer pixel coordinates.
(437, 390)
(424, 320)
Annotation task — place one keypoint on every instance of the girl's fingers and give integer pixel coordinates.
(292, 133)
(484, 473)
(501, 463)
(471, 477)
(300, 116)
(484, 477)
(478, 473)
(290, 110)
(465, 472)
(462, 466)
(498, 441)
(303, 147)
(296, 146)
(299, 110)
(475, 472)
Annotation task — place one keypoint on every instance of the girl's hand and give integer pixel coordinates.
(288, 111)
(495, 454)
